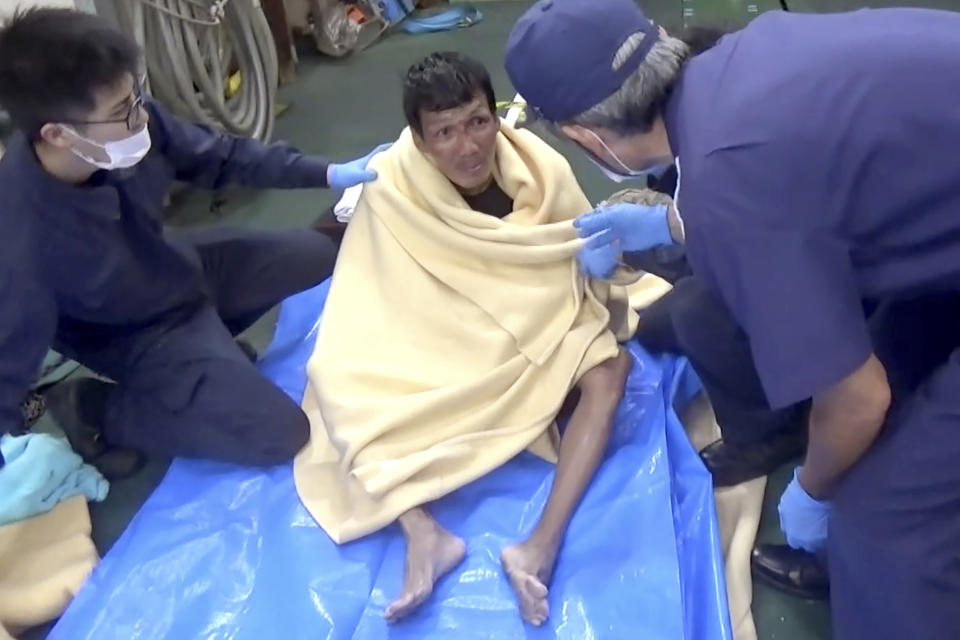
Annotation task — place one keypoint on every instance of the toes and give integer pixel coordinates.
(537, 613)
(398, 607)
(542, 613)
(532, 594)
(535, 588)
(406, 604)
(392, 612)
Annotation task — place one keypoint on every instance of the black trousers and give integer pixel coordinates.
(693, 321)
(187, 389)
(690, 320)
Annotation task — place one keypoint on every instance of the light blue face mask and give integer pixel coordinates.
(628, 173)
(656, 171)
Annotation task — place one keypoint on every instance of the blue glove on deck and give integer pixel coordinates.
(636, 226)
(803, 520)
(42, 471)
(343, 176)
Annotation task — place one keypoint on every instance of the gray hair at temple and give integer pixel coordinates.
(636, 105)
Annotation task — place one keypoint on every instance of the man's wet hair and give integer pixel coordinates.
(53, 62)
(441, 81)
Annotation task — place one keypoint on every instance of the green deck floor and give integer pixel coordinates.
(343, 108)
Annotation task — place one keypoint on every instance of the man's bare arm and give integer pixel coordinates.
(844, 422)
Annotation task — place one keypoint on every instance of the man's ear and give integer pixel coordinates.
(582, 136)
(55, 135)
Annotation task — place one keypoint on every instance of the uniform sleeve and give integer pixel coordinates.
(211, 159)
(27, 327)
(785, 272)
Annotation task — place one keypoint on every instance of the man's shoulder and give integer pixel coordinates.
(18, 203)
(160, 117)
(17, 260)
(12, 181)
(751, 186)
(21, 205)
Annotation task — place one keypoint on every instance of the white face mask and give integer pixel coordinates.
(123, 153)
(628, 173)
(616, 177)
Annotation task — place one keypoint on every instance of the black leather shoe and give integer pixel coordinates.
(793, 571)
(118, 464)
(78, 407)
(731, 464)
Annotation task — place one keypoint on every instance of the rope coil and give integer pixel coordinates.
(194, 48)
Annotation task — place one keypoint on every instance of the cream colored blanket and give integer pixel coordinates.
(450, 337)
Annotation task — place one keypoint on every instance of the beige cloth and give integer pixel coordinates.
(738, 515)
(43, 562)
(442, 328)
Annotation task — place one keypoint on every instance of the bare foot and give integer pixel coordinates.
(432, 552)
(529, 567)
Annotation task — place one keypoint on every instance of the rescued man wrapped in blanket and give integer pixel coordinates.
(456, 326)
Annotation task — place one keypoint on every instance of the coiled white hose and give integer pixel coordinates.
(191, 47)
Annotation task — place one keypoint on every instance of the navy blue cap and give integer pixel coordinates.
(560, 53)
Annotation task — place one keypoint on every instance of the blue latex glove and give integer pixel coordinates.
(40, 472)
(803, 520)
(598, 257)
(343, 176)
(636, 226)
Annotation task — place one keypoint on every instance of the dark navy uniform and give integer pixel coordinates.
(89, 270)
(820, 192)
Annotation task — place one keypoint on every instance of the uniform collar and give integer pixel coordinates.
(94, 197)
(672, 118)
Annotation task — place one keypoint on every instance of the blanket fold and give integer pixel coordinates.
(450, 337)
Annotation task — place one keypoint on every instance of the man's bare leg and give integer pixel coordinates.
(530, 564)
(432, 552)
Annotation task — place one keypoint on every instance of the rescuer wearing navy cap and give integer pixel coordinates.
(818, 198)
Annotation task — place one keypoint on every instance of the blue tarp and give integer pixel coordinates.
(221, 552)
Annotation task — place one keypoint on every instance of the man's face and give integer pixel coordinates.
(461, 142)
(114, 118)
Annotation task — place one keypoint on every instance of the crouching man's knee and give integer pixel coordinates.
(281, 439)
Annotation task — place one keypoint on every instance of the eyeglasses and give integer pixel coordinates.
(131, 119)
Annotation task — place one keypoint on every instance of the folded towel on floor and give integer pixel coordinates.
(40, 472)
(43, 562)
(450, 338)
